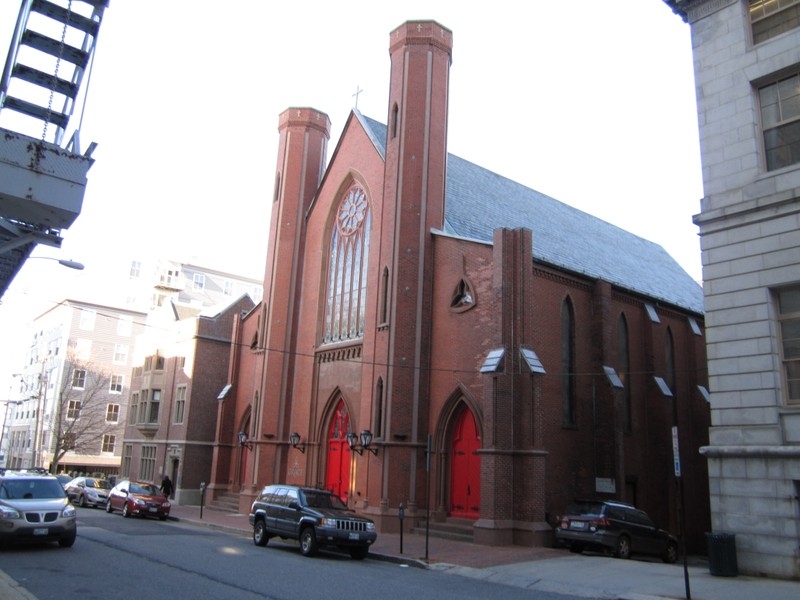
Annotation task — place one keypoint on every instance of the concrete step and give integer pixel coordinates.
(451, 529)
(226, 502)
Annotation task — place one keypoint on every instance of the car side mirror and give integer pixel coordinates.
(294, 504)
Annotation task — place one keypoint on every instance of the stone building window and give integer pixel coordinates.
(780, 121)
(770, 18)
(789, 318)
(109, 442)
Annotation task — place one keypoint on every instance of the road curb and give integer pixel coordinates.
(10, 589)
(401, 560)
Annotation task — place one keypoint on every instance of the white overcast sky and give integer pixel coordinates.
(590, 102)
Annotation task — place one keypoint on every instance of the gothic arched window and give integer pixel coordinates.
(568, 391)
(346, 295)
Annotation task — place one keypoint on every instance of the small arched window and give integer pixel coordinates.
(624, 364)
(567, 363)
(395, 119)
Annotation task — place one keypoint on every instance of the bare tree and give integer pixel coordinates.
(79, 421)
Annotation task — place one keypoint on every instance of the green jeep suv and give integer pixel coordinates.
(315, 517)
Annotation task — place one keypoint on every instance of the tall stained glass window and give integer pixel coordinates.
(346, 296)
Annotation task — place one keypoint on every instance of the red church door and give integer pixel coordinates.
(337, 476)
(465, 468)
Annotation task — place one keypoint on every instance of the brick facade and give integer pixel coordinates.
(418, 364)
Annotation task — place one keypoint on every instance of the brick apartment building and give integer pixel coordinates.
(436, 336)
(181, 365)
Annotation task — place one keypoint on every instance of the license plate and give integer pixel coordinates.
(353, 535)
(153, 510)
(577, 525)
(41, 531)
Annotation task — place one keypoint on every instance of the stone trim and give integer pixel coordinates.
(701, 10)
(751, 451)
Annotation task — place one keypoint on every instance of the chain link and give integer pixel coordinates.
(55, 75)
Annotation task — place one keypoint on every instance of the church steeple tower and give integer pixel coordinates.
(413, 204)
(302, 155)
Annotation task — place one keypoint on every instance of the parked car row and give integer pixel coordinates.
(36, 506)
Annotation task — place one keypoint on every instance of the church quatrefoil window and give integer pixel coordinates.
(352, 211)
(463, 296)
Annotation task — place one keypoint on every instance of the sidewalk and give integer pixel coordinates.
(545, 569)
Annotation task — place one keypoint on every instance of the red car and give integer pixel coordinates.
(138, 498)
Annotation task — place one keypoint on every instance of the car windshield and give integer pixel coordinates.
(324, 500)
(29, 489)
(98, 483)
(145, 488)
(585, 508)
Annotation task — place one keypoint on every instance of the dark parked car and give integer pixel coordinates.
(35, 508)
(88, 491)
(314, 517)
(138, 498)
(620, 528)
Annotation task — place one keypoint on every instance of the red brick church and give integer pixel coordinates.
(437, 336)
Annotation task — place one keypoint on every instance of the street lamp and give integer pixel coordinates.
(70, 264)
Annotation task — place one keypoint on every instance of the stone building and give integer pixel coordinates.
(747, 71)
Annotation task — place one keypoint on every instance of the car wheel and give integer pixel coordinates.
(670, 553)
(125, 511)
(623, 549)
(576, 548)
(109, 510)
(308, 542)
(260, 537)
(359, 552)
(67, 541)
(82, 501)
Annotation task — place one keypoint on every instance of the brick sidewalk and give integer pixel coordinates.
(415, 547)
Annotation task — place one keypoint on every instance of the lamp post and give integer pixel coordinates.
(41, 402)
(6, 424)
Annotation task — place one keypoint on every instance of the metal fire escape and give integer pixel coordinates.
(43, 179)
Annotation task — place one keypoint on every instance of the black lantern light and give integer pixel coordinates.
(365, 439)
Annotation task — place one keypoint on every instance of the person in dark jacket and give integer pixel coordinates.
(166, 486)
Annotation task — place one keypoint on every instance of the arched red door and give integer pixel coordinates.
(337, 476)
(465, 468)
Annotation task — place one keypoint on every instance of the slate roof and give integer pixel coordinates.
(478, 201)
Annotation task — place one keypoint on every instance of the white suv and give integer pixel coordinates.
(34, 507)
